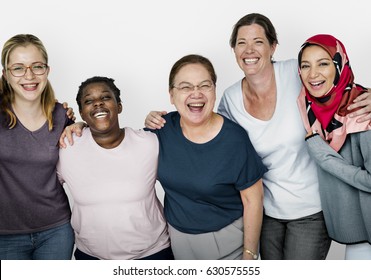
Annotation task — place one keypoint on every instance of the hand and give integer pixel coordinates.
(364, 103)
(154, 120)
(70, 113)
(68, 131)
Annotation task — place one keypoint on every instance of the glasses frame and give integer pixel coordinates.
(194, 87)
(46, 67)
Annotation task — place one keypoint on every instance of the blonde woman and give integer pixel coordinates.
(34, 209)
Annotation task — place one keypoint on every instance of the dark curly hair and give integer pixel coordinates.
(98, 79)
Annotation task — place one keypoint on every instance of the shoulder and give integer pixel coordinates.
(234, 129)
(234, 88)
(59, 112)
(172, 116)
(288, 65)
(59, 108)
(78, 141)
(140, 135)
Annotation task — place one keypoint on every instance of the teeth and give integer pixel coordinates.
(196, 105)
(29, 86)
(100, 115)
(316, 84)
(250, 60)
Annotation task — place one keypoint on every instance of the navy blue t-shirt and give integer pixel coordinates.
(202, 182)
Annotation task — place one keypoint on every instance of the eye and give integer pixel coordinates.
(18, 68)
(87, 101)
(106, 97)
(205, 87)
(38, 66)
(186, 88)
(304, 66)
(324, 64)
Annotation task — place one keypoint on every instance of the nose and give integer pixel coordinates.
(313, 72)
(29, 74)
(98, 102)
(196, 93)
(249, 48)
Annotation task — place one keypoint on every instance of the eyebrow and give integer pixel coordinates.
(184, 82)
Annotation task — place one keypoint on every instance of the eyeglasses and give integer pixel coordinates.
(19, 70)
(206, 86)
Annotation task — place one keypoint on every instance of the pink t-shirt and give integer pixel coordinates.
(116, 213)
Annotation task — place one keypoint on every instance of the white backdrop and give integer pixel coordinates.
(136, 42)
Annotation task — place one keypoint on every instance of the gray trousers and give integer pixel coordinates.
(224, 244)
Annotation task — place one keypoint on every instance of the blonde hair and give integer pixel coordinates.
(7, 95)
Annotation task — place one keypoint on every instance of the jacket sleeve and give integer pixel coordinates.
(332, 162)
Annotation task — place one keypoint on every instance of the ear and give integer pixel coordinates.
(273, 48)
(171, 93)
(4, 74)
(119, 107)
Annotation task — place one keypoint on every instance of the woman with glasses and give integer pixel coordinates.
(34, 209)
(209, 170)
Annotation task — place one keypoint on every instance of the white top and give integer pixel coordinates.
(291, 184)
(116, 214)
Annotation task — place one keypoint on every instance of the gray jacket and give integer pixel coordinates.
(345, 186)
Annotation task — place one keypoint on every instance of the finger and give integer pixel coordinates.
(152, 125)
(358, 104)
(361, 97)
(62, 144)
(65, 105)
(69, 135)
(365, 118)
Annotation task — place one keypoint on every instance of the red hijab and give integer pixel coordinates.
(328, 114)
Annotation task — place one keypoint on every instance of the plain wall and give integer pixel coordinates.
(137, 42)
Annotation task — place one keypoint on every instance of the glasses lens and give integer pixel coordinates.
(205, 87)
(18, 70)
(38, 68)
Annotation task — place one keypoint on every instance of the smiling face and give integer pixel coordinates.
(253, 51)
(317, 70)
(99, 108)
(194, 106)
(30, 86)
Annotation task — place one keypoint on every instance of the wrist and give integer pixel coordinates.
(251, 253)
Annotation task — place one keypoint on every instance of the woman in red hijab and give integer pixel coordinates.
(340, 145)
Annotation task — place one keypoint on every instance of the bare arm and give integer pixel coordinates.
(68, 131)
(154, 120)
(252, 199)
(364, 103)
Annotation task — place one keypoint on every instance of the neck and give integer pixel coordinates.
(109, 140)
(30, 114)
(29, 109)
(202, 132)
(260, 85)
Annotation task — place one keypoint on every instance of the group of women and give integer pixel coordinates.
(249, 180)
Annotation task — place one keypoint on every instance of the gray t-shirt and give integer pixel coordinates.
(31, 197)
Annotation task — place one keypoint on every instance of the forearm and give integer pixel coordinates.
(252, 199)
(253, 216)
(333, 163)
